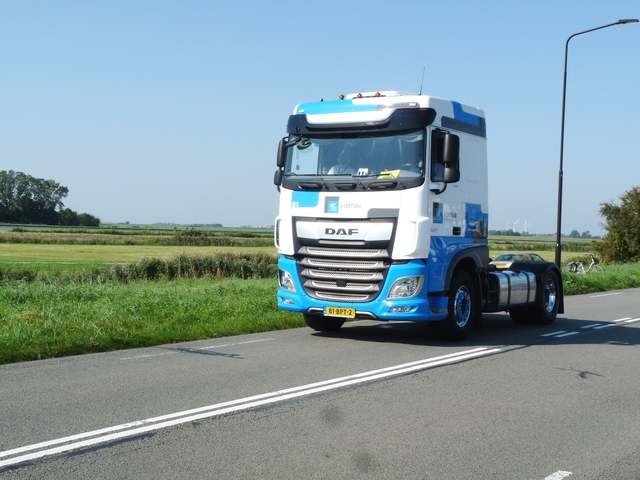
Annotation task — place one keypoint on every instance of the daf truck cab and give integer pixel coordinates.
(384, 213)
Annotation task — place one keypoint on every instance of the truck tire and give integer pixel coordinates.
(545, 308)
(322, 323)
(461, 307)
(547, 302)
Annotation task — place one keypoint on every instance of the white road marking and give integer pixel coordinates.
(622, 320)
(595, 326)
(560, 334)
(128, 429)
(608, 325)
(553, 333)
(559, 475)
(568, 334)
(605, 295)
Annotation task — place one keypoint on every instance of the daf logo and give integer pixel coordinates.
(340, 231)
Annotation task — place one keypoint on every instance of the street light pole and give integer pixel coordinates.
(564, 97)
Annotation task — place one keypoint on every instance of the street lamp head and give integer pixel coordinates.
(628, 20)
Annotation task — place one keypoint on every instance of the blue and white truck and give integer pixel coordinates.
(384, 215)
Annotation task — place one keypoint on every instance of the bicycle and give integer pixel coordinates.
(578, 267)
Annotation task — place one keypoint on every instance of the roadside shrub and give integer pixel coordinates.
(189, 238)
(218, 266)
(16, 275)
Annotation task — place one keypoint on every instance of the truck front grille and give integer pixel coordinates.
(343, 274)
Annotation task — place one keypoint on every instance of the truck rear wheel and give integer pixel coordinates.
(462, 305)
(548, 300)
(322, 323)
(545, 308)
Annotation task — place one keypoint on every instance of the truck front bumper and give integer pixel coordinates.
(419, 307)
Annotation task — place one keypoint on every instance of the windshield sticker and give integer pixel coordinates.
(389, 174)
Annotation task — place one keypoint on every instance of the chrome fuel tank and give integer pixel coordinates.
(513, 288)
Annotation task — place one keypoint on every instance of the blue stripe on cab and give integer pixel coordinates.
(305, 199)
(461, 115)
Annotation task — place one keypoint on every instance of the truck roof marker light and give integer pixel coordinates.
(359, 95)
(341, 97)
(377, 94)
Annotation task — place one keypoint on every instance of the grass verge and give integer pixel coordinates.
(51, 313)
(615, 277)
(39, 320)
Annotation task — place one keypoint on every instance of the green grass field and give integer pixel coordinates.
(76, 257)
(73, 293)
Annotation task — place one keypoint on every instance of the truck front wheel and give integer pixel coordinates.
(322, 323)
(461, 309)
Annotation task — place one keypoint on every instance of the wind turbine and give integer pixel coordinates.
(514, 225)
(526, 226)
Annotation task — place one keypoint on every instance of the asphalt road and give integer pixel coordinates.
(373, 400)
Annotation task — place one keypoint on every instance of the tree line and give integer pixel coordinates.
(28, 200)
(621, 243)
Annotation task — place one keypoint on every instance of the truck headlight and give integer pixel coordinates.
(405, 287)
(286, 281)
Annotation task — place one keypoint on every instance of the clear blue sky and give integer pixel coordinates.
(157, 111)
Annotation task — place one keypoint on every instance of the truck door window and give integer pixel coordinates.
(437, 156)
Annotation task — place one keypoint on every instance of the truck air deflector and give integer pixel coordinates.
(336, 106)
(399, 119)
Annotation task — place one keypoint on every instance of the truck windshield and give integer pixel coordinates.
(373, 156)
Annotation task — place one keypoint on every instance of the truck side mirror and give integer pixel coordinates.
(451, 149)
(448, 155)
(282, 153)
(451, 157)
(451, 174)
(277, 177)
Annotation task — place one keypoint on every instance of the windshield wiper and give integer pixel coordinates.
(383, 185)
(313, 185)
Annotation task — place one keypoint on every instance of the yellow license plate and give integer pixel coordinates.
(340, 312)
